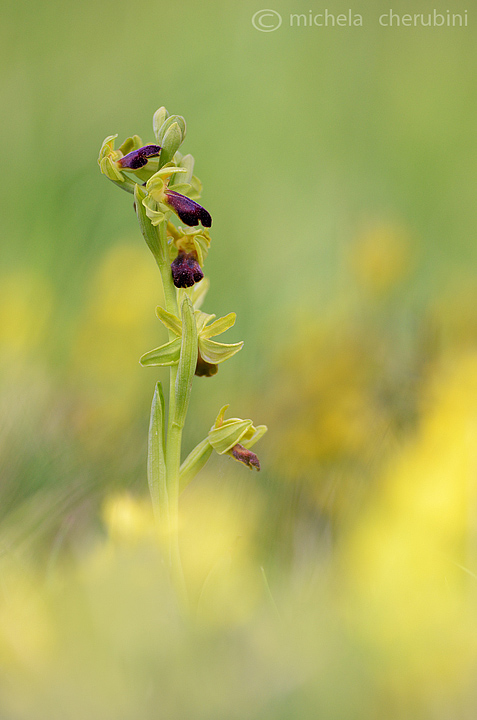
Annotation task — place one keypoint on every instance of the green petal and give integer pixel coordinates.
(215, 353)
(163, 356)
(170, 321)
(219, 326)
(130, 144)
(155, 184)
(229, 434)
(201, 319)
(219, 420)
(253, 435)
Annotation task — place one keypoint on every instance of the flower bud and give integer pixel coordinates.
(160, 116)
(171, 142)
(186, 270)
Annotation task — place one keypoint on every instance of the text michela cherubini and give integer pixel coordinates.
(388, 19)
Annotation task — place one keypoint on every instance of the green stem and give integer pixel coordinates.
(174, 432)
(173, 460)
(181, 377)
(156, 238)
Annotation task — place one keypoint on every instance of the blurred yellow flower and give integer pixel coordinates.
(410, 567)
(381, 257)
(112, 333)
(26, 303)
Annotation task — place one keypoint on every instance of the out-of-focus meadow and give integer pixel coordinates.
(339, 166)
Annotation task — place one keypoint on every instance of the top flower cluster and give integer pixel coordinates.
(170, 187)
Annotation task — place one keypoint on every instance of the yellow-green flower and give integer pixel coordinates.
(192, 247)
(130, 157)
(190, 240)
(235, 437)
(210, 352)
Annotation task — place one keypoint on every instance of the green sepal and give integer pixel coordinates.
(107, 147)
(148, 230)
(156, 462)
(182, 188)
(163, 356)
(156, 214)
(187, 363)
(230, 433)
(110, 169)
(171, 142)
(219, 326)
(196, 188)
(202, 319)
(253, 435)
(194, 462)
(215, 353)
(201, 246)
(187, 162)
(170, 321)
(198, 292)
(158, 120)
(165, 172)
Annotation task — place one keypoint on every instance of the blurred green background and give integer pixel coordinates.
(339, 166)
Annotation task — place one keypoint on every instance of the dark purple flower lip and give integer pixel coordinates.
(138, 158)
(186, 270)
(247, 457)
(190, 212)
